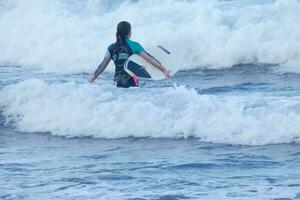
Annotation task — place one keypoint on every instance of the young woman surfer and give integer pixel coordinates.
(120, 51)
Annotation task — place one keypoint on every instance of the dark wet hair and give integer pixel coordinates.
(123, 30)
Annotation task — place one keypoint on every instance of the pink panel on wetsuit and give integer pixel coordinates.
(136, 80)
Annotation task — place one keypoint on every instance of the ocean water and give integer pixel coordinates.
(225, 126)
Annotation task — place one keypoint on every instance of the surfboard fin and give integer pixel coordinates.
(164, 49)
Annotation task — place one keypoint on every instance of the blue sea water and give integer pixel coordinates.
(39, 165)
(35, 166)
(225, 126)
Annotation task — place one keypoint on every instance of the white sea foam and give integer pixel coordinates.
(78, 110)
(72, 35)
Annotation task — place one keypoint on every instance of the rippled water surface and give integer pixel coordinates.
(42, 166)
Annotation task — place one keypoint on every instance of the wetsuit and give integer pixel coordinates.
(120, 54)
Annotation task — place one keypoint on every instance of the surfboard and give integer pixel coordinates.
(137, 66)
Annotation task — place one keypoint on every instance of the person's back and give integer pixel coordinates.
(120, 52)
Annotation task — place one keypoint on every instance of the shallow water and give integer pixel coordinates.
(42, 166)
(80, 166)
(226, 126)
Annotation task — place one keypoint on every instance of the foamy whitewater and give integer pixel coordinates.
(61, 35)
(75, 110)
(225, 126)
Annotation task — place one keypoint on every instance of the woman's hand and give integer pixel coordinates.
(101, 67)
(92, 79)
(166, 73)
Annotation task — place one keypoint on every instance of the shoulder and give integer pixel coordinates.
(133, 43)
(111, 47)
(135, 46)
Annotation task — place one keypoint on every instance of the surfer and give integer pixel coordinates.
(120, 51)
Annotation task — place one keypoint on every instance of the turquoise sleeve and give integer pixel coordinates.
(135, 47)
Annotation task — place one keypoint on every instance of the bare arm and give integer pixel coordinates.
(101, 67)
(155, 63)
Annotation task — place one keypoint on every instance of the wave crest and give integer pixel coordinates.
(78, 110)
(72, 36)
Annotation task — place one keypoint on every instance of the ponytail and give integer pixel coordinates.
(123, 30)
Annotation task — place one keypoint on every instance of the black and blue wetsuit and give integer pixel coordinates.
(120, 54)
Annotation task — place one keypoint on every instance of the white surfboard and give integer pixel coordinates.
(137, 66)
